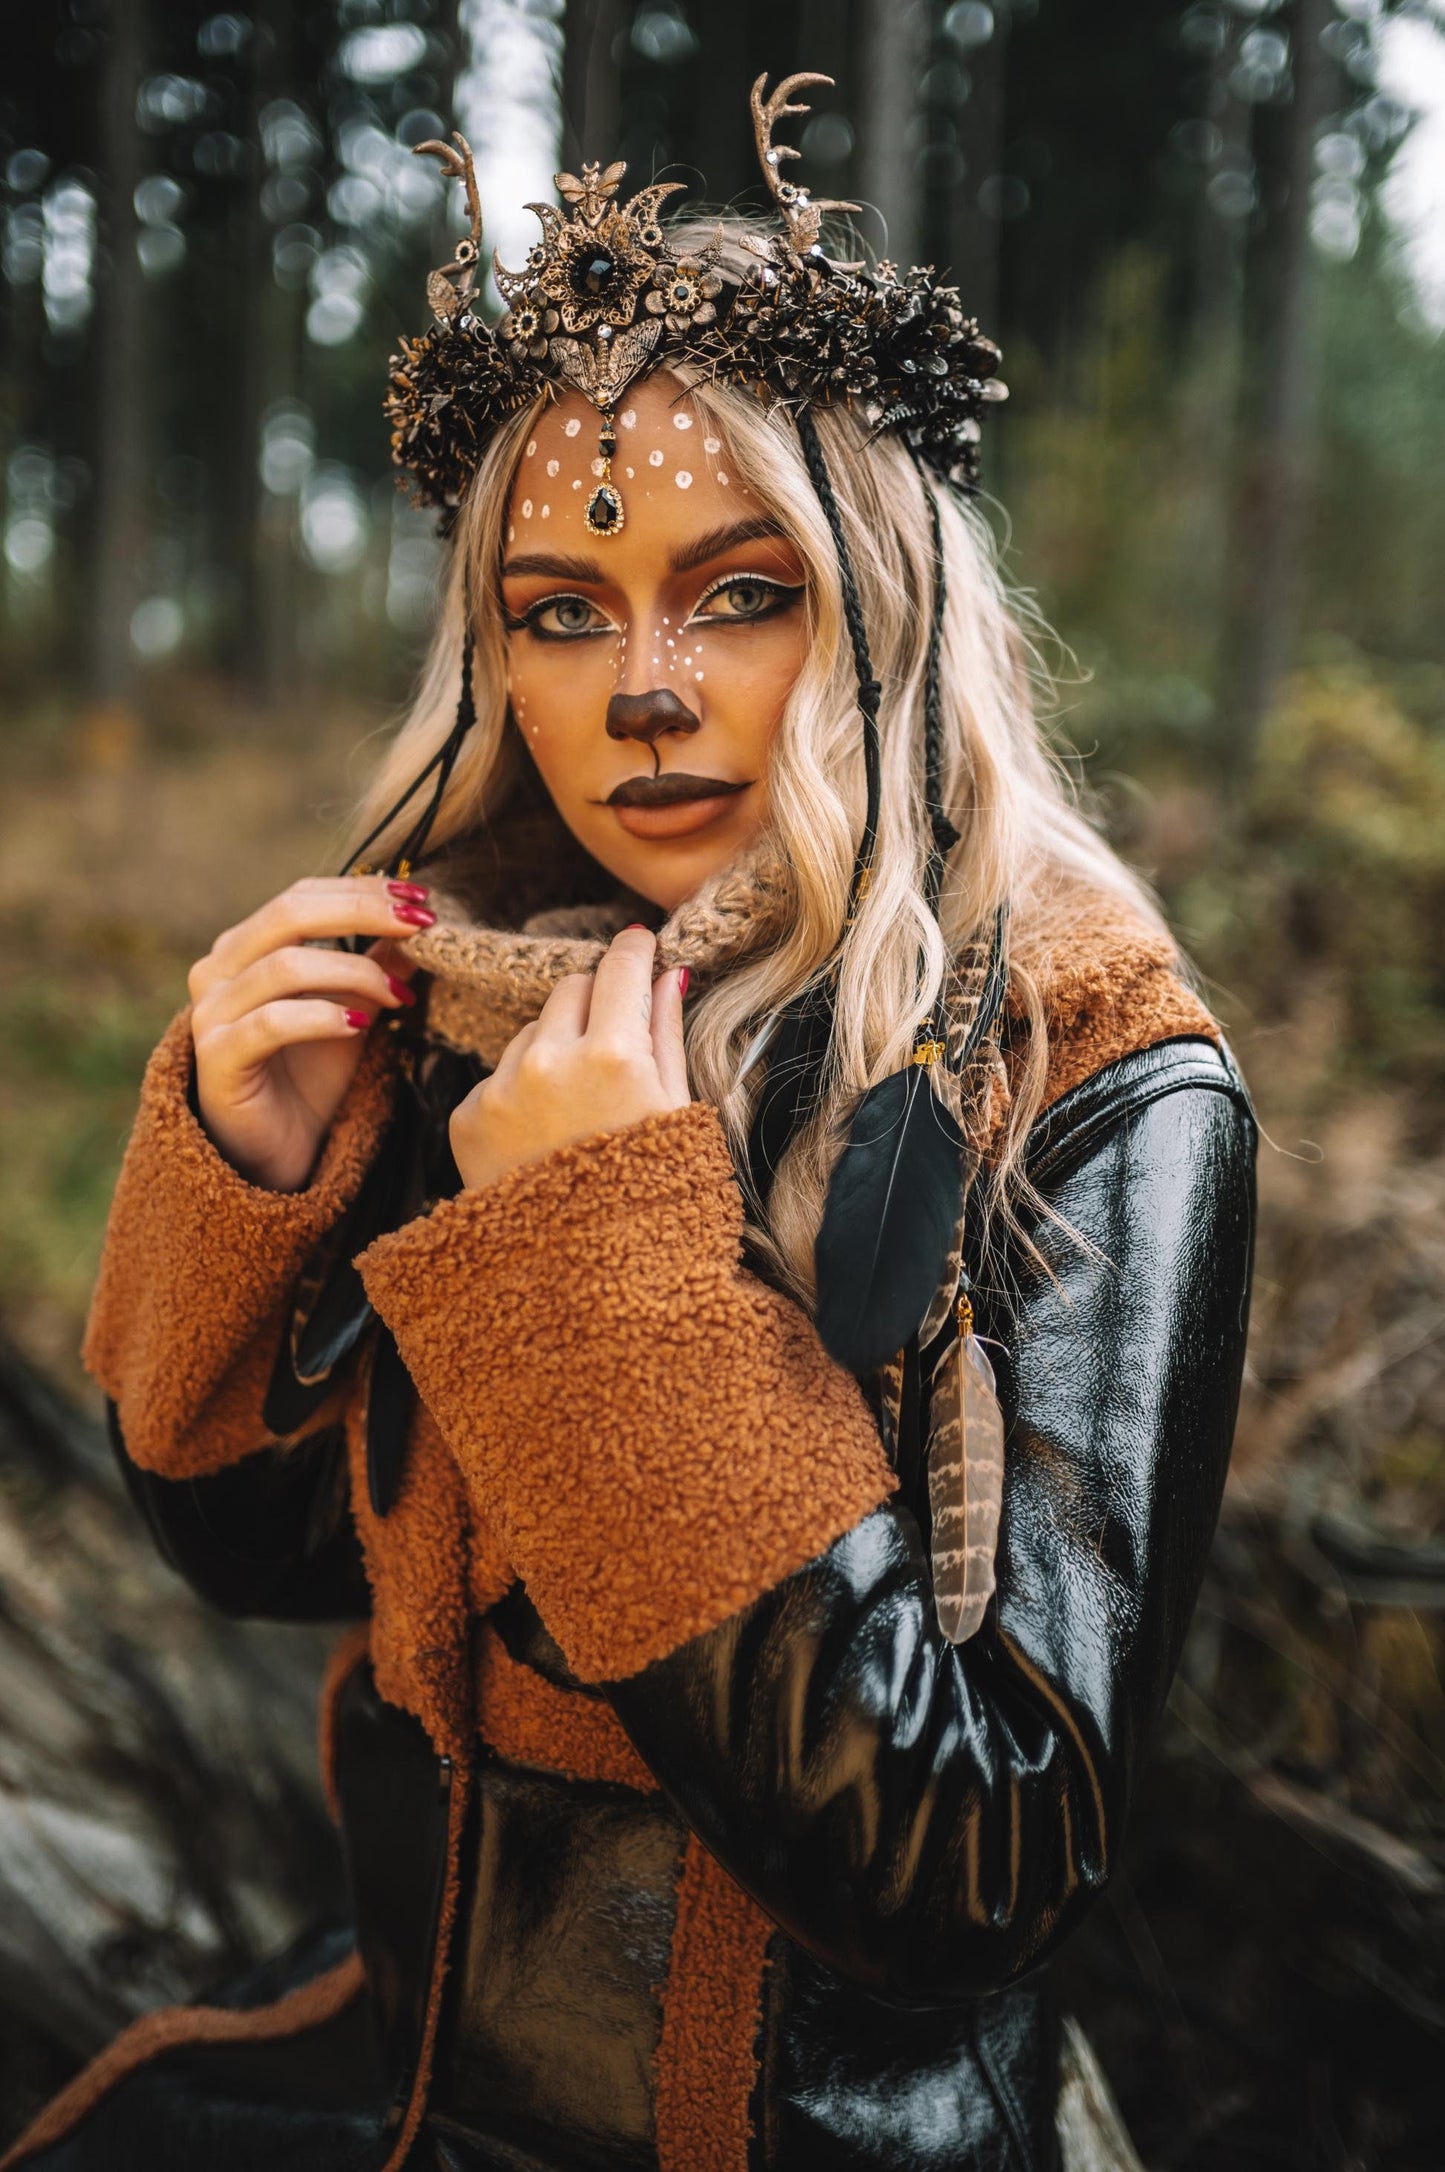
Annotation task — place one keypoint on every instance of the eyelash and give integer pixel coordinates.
(783, 592)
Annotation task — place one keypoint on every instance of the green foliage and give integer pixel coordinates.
(1334, 881)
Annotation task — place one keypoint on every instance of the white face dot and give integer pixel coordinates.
(629, 418)
(631, 472)
(599, 465)
(546, 512)
(511, 535)
(526, 509)
(552, 466)
(531, 447)
(683, 479)
(654, 459)
(571, 426)
(577, 483)
(698, 676)
(712, 444)
(682, 422)
(722, 478)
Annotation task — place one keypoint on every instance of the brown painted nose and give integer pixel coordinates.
(648, 716)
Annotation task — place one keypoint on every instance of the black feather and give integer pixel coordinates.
(890, 1217)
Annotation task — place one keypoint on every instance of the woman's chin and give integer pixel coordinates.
(670, 858)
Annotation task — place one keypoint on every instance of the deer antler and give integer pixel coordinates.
(802, 214)
(457, 166)
(449, 288)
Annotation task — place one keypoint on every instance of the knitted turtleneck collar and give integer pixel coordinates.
(490, 980)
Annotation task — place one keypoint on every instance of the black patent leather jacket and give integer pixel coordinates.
(923, 1823)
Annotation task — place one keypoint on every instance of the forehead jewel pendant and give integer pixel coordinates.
(604, 513)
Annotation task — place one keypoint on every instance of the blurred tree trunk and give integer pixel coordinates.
(591, 119)
(971, 239)
(252, 646)
(1276, 425)
(274, 358)
(122, 462)
(892, 55)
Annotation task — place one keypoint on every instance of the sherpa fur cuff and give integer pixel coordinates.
(657, 1435)
(198, 1265)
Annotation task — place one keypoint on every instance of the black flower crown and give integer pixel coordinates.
(603, 297)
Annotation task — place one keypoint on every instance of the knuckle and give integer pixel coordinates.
(614, 1059)
(539, 1064)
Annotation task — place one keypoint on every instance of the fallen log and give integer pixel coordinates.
(161, 1818)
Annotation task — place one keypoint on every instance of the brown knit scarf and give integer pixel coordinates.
(490, 981)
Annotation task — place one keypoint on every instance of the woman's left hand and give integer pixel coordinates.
(605, 1051)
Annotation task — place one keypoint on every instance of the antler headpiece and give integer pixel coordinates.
(603, 297)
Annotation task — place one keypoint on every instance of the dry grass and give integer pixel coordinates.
(122, 856)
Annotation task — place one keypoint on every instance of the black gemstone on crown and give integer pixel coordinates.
(590, 274)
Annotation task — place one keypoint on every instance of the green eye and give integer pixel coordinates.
(743, 597)
(562, 618)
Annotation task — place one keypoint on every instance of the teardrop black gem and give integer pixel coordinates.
(604, 510)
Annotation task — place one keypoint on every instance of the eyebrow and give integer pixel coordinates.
(686, 560)
(717, 540)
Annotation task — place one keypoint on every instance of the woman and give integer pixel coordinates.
(748, 1682)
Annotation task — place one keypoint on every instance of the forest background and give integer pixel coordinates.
(1211, 240)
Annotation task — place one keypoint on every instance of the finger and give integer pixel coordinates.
(668, 1052)
(563, 1017)
(251, 1041)
(298, 970)
(318, 908)
(511, 1055)
(621, 1011)
(392, 958)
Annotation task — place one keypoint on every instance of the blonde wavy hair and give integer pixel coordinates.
(1027, 837)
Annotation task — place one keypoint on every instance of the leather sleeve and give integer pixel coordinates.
(931, 1820)
(268, 1538)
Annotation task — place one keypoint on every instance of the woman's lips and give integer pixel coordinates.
(677, 818)
(671, 805)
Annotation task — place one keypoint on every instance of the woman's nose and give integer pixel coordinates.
(648, 716)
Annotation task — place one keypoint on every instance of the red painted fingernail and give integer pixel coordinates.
(400, 989)
(415, 916)
(634, 924)
(357, 1019)
(412, 890)
(683, 977)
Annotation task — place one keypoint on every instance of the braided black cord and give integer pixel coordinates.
(869, 690)
(445, 756)
(415, 845)
(943, 835)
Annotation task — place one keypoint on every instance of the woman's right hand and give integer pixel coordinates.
(278, 1029)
